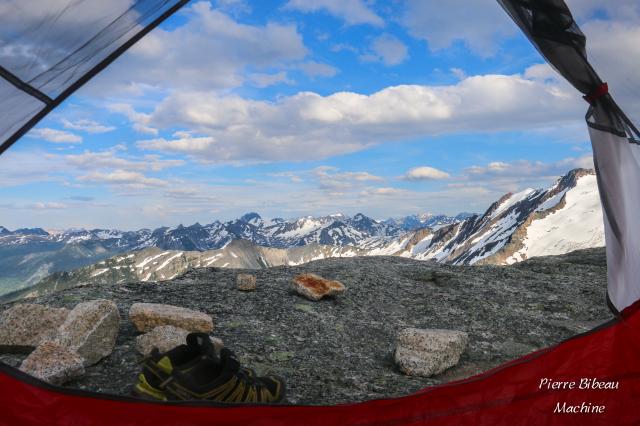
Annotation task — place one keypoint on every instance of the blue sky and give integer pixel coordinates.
(294, 107)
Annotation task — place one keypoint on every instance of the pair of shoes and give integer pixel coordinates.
(195, 372)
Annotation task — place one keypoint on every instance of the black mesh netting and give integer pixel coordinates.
(49, 48)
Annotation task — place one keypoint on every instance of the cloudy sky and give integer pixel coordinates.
(310, 107)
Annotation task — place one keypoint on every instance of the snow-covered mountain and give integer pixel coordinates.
(154, 264)
(427, 220)
(335, 229)
(555, 220)
(28, 255)
(564, 217)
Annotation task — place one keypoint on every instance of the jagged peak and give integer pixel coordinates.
(30, 231)
(570, 179)
(248, 217)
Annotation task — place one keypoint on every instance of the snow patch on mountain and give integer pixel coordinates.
(577, 225)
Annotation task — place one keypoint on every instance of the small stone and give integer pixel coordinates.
(246, 282)
(314, 287)
(53, 363)
(91, 330)
(147, 316)
(281, 356)
(28, 325)
(428, 352)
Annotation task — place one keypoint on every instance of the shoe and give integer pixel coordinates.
(195, 372)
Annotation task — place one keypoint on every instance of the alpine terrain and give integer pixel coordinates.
(340, 349)
(564, 217)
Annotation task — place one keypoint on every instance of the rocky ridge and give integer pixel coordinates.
(341, 349)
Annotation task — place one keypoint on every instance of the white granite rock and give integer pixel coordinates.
(27, 325)
(421, 352)
(147, 316)
(53, 363)
(167, 337)
(91, 330)
(164, 338)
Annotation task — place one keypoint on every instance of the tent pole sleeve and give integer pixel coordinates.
(27, 88)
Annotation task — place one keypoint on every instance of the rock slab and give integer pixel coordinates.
(27, 325)
(246, 282)
(314, 287)
(427, 352)
(164, 338)
(91, 329)
(147, 316)
(167, 337)
(53, 363)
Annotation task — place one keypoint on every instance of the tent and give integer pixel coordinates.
(603, 364)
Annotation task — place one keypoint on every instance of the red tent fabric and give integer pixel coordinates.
(515, 393)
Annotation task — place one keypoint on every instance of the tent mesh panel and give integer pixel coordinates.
(48, 49)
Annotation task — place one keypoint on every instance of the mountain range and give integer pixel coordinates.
(561, 218)
(28, 255)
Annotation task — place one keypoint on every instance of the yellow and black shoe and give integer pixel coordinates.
(195, 372)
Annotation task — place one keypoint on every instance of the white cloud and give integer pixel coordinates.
(89, 160)
(316, 69)
(387, 49)
(513, 176)
(342, 47)
(140, 120)
(23, 167)
(459, 73)
(49, 206)
(619, 10)
(308, 126)
(292, 176)
(425, 173)
(613, 43)
(88, 126)
(185, 144)
(211, 51)
(385, 191)
(479, 24)
(614, 51)
(262, 80)
(353, 12)
(128, 179)
(332, 180)
(234, 6)
(526, 169)
(55, 136)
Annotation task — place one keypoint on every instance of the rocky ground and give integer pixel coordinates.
(340, 350)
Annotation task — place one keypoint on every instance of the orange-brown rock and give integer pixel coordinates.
(246, 282)
(314, 287)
